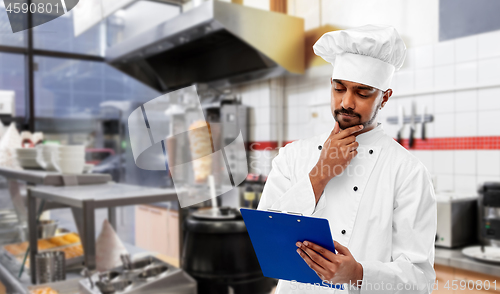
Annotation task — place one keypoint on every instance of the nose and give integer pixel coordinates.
(348, 100)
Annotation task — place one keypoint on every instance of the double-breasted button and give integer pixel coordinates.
(343, 232)
(320, 147)
(371, 151)
(355, 188)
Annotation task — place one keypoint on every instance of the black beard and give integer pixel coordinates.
(352, 113)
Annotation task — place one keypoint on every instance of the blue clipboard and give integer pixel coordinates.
(273, 236)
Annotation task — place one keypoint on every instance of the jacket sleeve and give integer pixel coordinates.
(413, 235)
(281, 192)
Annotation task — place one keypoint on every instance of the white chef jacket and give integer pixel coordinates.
(382, 208)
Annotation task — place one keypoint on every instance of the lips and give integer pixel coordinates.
(348, 115)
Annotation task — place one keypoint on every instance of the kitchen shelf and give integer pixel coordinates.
(454, 258)
(83, 200)
(39, 177)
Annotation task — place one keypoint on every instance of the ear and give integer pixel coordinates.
(386, 95)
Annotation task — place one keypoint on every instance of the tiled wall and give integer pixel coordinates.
(457, 81)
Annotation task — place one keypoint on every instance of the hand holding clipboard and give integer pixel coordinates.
(274, 236)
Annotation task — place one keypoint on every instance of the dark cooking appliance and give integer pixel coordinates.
(489, 213)
(218, 253)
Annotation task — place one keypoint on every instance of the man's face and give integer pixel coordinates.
(356, 104)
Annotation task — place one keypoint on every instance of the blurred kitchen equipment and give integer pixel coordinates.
(50, 267)
(423, 124)
(251, 190)
(234, 119)
(69, 159)
(412, 124)
(27, 158)
(227, 118)
(87, 168)
(37, 138)
(456, 219)
(8, 143)
(213, 195)
(127, 263)
(109, 248)
(249, 197)
(487, 254)
(216, 42)
(218, 253)
(8, 103)
(400, 120)
(401, 124)
(44, 156)
(86, 273)
(228, 121)
(46, 228)
(143, 275)
(26, 140)
(489, 214)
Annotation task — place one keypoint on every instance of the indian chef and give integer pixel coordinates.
(377, 197)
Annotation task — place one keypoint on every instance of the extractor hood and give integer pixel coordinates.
(217, 43)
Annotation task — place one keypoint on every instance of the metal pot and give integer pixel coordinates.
(46, 229)
(218, 253)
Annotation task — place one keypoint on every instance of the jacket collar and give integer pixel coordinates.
(367, 138)
(371, 136)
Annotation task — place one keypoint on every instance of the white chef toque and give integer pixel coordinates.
(367, 55)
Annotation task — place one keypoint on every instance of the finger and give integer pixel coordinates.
(313, 265)
(349, 131)
(341, 248)
(352, 146)
(316, 257)
(353, 154)
(319, 249)
(336, 128)
(348, 140)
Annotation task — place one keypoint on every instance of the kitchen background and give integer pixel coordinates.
(456, 80)
(76, 94)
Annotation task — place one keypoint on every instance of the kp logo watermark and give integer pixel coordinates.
(171, 133)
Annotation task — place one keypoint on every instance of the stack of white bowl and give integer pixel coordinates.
(27, 158)
(44, 156)
(69, 159)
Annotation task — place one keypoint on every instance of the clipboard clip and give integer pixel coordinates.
(288, 212)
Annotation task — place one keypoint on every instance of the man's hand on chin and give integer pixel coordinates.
(337, 268)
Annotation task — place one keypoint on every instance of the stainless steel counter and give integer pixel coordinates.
(455, 258)
(20, 285)
(39, 177)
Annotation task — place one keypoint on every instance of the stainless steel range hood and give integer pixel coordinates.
(217, 43)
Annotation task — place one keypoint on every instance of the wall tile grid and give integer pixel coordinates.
(461, 88)
(457, 81)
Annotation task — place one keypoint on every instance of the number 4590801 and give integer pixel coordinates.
(33, 8)
(470, 285)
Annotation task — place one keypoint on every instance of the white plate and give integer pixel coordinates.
(29, 163)
(490, 254)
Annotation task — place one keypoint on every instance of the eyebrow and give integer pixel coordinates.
(357, 87)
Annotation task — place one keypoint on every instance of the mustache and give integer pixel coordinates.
(346, 112)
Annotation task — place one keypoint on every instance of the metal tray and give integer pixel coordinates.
(71, 262)
(62, 287)
(152, 276)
